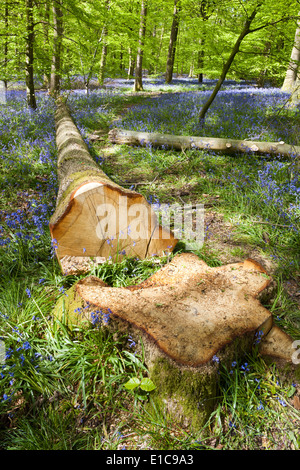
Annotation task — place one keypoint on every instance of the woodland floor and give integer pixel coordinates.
(228, 239)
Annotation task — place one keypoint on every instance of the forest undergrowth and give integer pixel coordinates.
(62, 388)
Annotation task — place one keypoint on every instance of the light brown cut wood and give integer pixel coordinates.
(94, 216)
(189, 310)
(179, 142)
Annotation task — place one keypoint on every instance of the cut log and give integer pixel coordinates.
(179, 142)
(95, 217)
(189, 316)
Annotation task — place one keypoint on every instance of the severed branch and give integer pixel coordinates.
(222, 145)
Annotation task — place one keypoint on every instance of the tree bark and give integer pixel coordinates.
(29, 77)
(222, 145)
(200, 61)
(92, 62)
(131, 63)
(138, 82)
(227, 65)
(46, 76)
(57, 47)
(159, 49)
(94, 216)
(103, 59)
(6, 22)
(172, 42)
(291, 73)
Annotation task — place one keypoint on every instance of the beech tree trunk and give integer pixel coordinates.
(200, 61)
(92, 61)
(131, 63)
(57, 47)
(30, 91)
(5, 61)
(138, 82)
(46, 76)
(172, 42)
(159, 49)
(222, 145)
(188, 319)
(291, 73)
(95, 217)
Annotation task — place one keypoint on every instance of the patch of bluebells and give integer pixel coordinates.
(27, 151)
(90, 111)
(235, 113)
(19, 356)
(98, 317)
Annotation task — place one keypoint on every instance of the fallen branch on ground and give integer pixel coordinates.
(222, 145)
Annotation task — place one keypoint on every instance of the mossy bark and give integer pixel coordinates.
(187, 397)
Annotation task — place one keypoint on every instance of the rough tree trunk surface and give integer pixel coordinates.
(187, 314)
(292, 71)
(94, 216)
(222, 145)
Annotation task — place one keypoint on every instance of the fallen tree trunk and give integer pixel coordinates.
(178, 142)
(95, 217)
(191, 318)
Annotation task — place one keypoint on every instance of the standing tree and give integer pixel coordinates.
(291, 73)
(205, 11)
(138, 82)
(57, 47)
(104, 49)
(246, 30)
(29, 56)
(172, 42)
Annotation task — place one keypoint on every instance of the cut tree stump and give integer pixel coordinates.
(95, 217)
(189, 317)
(179, 142)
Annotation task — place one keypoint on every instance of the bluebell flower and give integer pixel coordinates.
(28, 293)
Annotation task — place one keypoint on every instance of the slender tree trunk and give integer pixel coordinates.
(191, 72)
(200, 60)
(46, 76)
(172, 42)
(30, 92)
(138, 82)
(57, 47)
(131, 63)
(227, 65)
(159, 49)
(92, 62)
(101, 74)
(103, 58)
(122, 67)
(6, 14)
(291, 73)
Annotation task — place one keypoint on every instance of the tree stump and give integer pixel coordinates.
(188, 317)
(95, 217)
